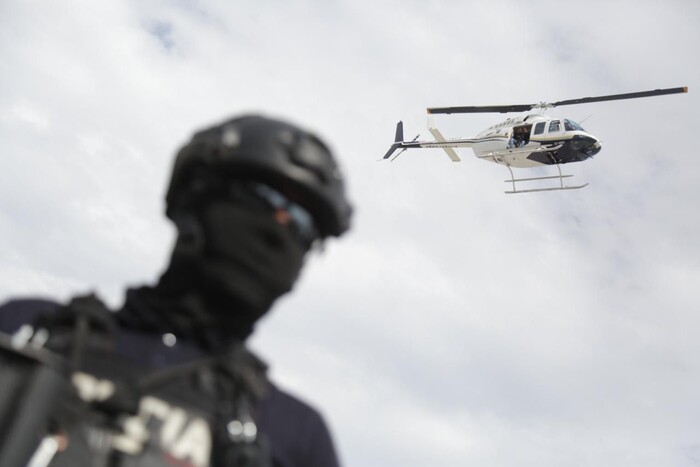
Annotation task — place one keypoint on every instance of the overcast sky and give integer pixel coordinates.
(455, 325)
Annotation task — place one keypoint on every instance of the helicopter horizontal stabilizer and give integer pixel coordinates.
(451, 153)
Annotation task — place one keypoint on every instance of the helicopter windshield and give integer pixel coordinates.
(571, 125)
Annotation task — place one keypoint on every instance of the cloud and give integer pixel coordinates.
(453, 325)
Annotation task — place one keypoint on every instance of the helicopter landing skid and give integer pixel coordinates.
(533, 190)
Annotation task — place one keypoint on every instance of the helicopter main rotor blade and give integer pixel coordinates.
(528, 107)
(481, 109)
(615, 97)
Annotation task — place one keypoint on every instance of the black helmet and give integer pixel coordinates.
(289, 159)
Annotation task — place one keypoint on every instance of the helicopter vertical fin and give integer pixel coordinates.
(399, 133)
(398, 141)
(451, 153)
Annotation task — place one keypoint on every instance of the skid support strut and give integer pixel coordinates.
(532, 190)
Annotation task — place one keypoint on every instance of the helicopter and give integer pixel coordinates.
(526, 141)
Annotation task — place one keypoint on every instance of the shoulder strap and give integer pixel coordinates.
(81, 316)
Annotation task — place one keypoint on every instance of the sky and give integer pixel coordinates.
(454, 325)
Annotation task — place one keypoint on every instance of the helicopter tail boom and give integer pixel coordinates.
(440, 142)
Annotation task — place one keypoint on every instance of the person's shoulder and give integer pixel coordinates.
(29, 303)
(298, 432)
(280, 399)
(18, 311)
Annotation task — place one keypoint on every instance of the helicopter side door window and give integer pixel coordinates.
(554, 126)
(539, 128)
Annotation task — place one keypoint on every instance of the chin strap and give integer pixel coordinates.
(82, 316)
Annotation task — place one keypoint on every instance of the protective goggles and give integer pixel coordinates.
(286, 212)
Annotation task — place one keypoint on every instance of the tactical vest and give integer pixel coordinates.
(70, 398)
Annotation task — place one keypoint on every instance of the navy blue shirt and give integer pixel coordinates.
(297, 434)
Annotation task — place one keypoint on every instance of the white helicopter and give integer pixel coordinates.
(531, 140)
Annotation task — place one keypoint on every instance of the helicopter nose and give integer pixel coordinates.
(593, 149)
(586, 144)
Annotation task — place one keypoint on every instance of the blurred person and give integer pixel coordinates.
(167, 380)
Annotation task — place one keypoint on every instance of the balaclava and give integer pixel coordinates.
(235, 254)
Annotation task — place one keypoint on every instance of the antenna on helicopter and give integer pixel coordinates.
(581, 121)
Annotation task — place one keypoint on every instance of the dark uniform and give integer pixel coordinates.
(167, 380)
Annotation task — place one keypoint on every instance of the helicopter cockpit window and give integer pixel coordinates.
(539, 128)
(570, 125)
(554, 126)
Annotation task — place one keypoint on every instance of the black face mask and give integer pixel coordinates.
(237, 261)
(248, 255)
